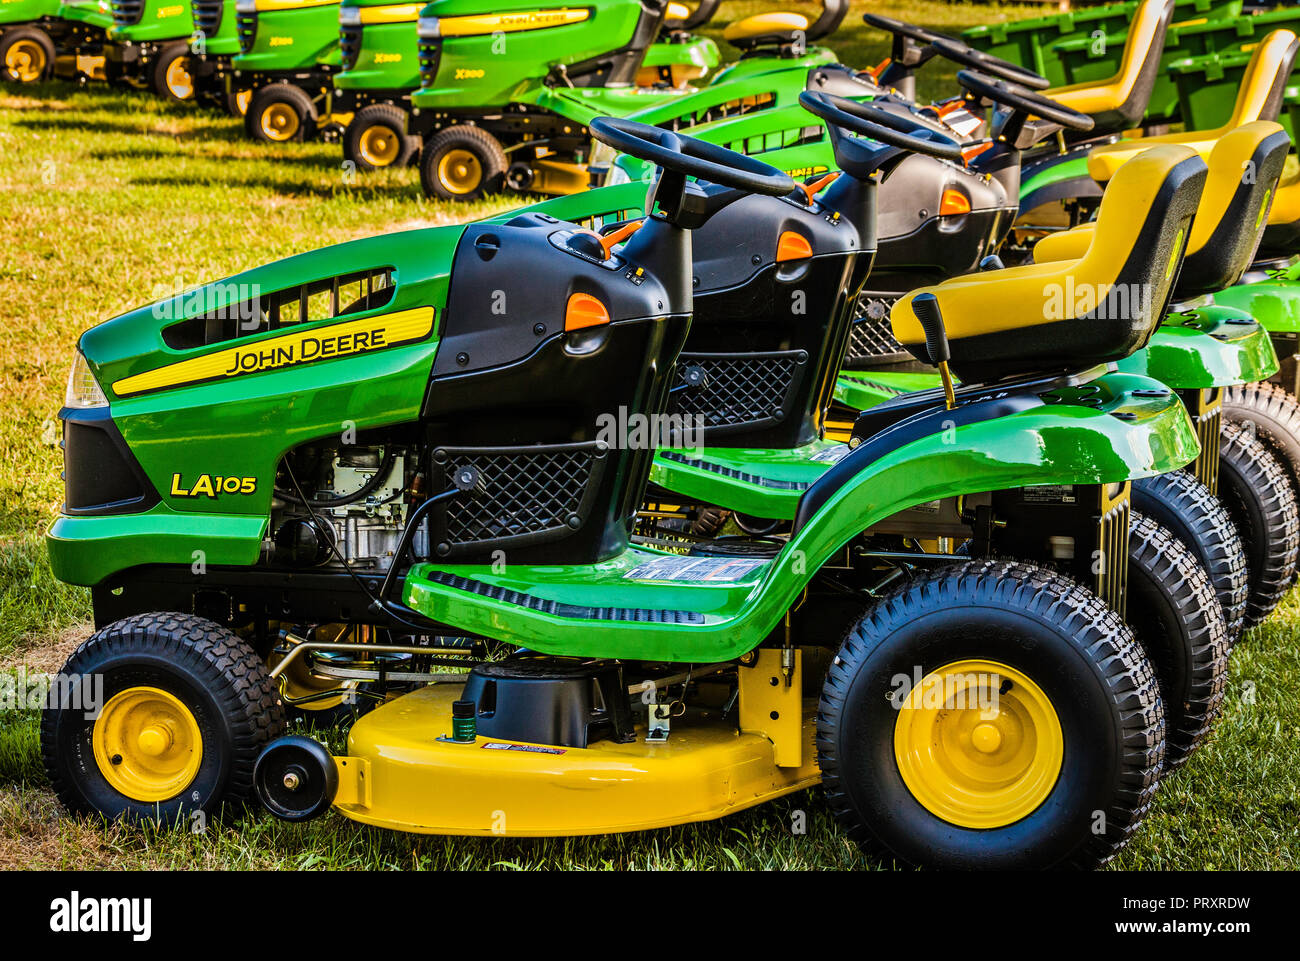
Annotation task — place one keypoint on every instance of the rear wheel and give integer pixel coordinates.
(171, 73)
(1257, 493)
(26, 55)
(1179, 623)
(1184, 506)
(281, 113)
(377, 138)
(462, 163)
(1034, 738)
(184, 710)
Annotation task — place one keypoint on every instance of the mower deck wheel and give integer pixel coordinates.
(158, 717)
(280, 113)
(1255, 489)
(171, 73)
(990, 714)
(377, 138)
(26, 55)
(462, 163)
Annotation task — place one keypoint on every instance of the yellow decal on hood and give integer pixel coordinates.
(325, 342)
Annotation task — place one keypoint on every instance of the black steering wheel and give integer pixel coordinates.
(950, 48)
(1020, 98)
(880, 125)
(691, 157)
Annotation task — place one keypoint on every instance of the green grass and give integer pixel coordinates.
(108, 199)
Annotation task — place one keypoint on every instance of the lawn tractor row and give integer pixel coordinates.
(655, 501)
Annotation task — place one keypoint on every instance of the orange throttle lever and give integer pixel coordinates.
(615, 237)
(813, 189)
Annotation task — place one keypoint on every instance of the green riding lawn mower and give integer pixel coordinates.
(42, 38)
(457, 530)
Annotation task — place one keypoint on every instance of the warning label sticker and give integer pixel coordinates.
(679, 567)
(1049, 494)
(527, 748)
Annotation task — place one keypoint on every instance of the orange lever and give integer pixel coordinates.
(813, 189)
(611, 240)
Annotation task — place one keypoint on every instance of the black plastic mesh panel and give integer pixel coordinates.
(728, 390)
(127, 13)
(871, 337)
(349, 45)
(207, 16)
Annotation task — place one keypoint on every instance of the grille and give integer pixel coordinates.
(870, 337)
(430, 55)
(1206, 408)
(126, 13)
(207, 16)
(246, 27)
(733, 390)
(1112, 578)
(520, 495)
(350, 45)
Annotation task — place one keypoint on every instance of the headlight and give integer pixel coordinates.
(349, 16)
(83, 390)
(245, 6)
(429, 28)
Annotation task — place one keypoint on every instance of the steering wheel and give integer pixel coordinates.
(900, 29)
(691, 157)
(1027, 101)
(881, 125)
(952, 49)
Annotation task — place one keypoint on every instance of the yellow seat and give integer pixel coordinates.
(1118, 102)
(1282, 235)
(677, 11)
(1258, 98)
(1229, 218)
(764, 28)
(1071, 315)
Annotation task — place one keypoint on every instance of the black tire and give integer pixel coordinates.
(1184, 506)
(1274, 415)
(236, 101)
(1083, 658)
(1179, 623)
(377, 138)
(165, 80)
(216, 675)
(281, 113)
(486, 151)
(1257, 493)
(26, 44)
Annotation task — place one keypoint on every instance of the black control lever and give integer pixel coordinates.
(992, 262)
(926, 308)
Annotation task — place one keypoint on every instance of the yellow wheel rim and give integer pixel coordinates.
(279, 121)
(242, 100)
(459, 171)
(978, 744)
(379, 146)
(147, 744)
(25, 61)
(178, 79)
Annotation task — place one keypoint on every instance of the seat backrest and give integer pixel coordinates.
(1143, 227)
(1260, 95)
(1245, 166)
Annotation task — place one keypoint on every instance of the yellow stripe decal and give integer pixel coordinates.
(393, 13)
(270, 6)
(473, 26)
(288, 350)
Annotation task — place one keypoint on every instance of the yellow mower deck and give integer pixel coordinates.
(398, 775)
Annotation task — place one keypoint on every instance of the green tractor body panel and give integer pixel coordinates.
(747, 68)
(236, 421)
(379, 46)
(584, 104)
(863, 389)
(24, 11)
(1209, 347)
(276, 36)
(217, 21)
(93, 13)
(700, 52)
(1275, 304)
(684, 618)
(150, 21)
(1041, 177)
(489, 60)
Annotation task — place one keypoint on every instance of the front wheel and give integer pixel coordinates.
(462, 163)
(171, 73)
(990, 715)
(1255, 489)
(377, 138)
(158, 717)
(280, 113)
(26, 55)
